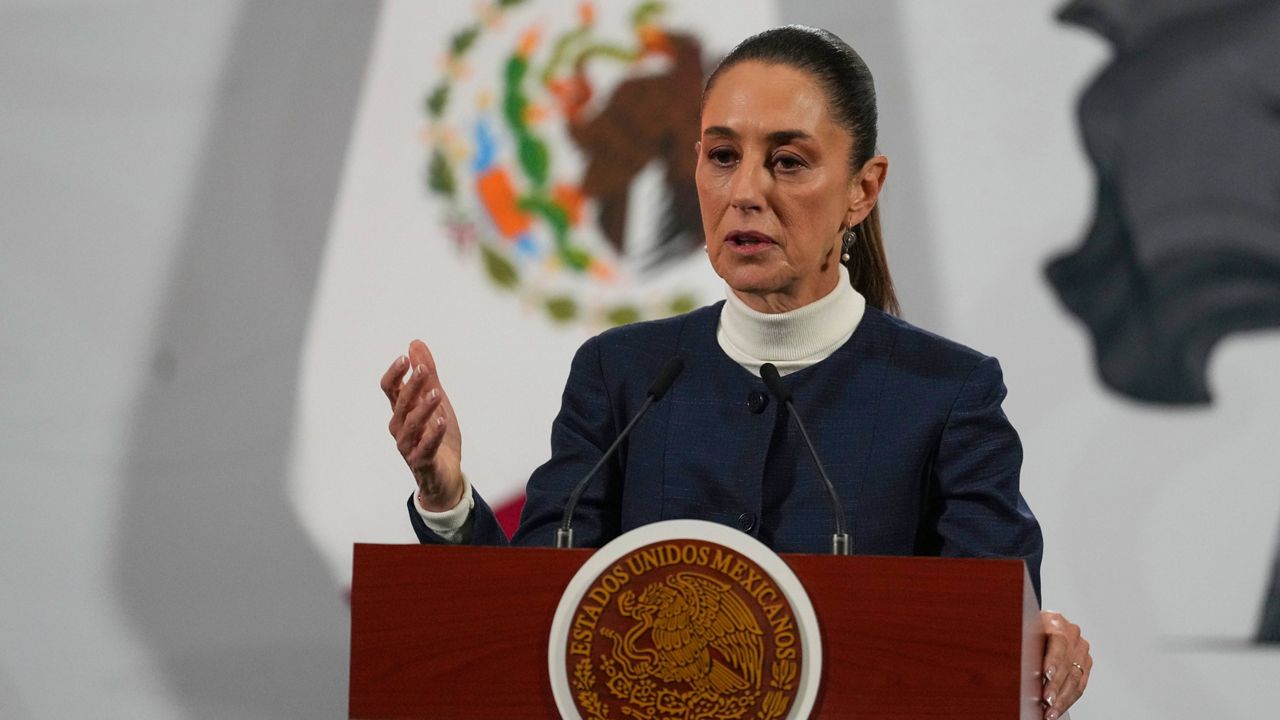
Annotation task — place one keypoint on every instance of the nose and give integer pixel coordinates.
(748, 185)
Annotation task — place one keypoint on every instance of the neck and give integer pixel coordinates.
(773, 303)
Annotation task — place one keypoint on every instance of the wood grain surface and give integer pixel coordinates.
(462, 632)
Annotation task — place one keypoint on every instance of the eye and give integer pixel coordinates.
(722, 156)
(787, 162)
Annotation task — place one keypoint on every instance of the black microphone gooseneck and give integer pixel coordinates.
(840, 544)
(674, 366)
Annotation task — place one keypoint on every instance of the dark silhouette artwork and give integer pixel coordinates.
(1183, 130)
(647, 118)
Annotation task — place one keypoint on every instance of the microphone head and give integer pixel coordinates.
(773, 381)
(670, 371)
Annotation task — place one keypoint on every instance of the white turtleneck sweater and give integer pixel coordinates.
(791, 340)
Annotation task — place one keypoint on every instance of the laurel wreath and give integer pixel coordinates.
(630, 690)
(775, 701)
(584, 681)
(500, 261)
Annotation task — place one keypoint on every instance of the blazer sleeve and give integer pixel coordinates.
(485, 529)
(585, 427)
(981, 511)
(582, 431)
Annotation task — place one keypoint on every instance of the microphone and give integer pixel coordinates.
(673, 368)
(840, 544)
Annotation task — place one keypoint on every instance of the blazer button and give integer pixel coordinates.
(746, 521)
(756, 401)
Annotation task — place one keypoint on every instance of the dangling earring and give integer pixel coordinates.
(846, 243)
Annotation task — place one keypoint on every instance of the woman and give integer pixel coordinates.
(908, 424)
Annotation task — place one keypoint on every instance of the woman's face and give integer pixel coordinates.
(775, 187)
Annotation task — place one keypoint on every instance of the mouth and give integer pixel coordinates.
(748, 242)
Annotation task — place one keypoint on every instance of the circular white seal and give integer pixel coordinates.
(590, 576)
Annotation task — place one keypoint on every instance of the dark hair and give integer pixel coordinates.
(851, 97)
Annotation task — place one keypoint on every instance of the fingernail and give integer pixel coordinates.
(1051, 715)
(440, 421)
(1049, 700)
(421, 370)
(1050, 672)
(402, 361)
(432, 394)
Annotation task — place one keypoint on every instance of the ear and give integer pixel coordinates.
(864, 191)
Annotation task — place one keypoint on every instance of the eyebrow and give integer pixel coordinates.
(777, 137)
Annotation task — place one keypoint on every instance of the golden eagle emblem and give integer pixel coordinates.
(697, 631)
(683, 630)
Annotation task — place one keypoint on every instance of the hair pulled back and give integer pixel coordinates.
(851, 98)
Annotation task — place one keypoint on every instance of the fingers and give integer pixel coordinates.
(429, 442)
(424, 364)
(393, 378)
(409, 395)
(1056, 675)
(1064, 649)
(1074, 681)
(413, 413)
(424, 429)
(1055, 662)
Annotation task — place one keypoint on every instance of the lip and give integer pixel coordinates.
(748, 242)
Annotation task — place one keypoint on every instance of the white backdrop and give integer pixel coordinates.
(1159, 523)
(391, 273)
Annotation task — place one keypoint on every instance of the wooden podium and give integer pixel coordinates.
(462, 632)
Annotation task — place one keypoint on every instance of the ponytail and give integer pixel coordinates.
(868, 267)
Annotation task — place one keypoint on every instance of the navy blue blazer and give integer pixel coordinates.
(908, 425)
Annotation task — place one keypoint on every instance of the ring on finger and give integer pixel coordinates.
(1078, 666)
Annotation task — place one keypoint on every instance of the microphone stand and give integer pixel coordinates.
(840, 544)
(564, 533)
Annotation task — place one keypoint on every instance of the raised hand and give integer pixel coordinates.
(425, 428)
